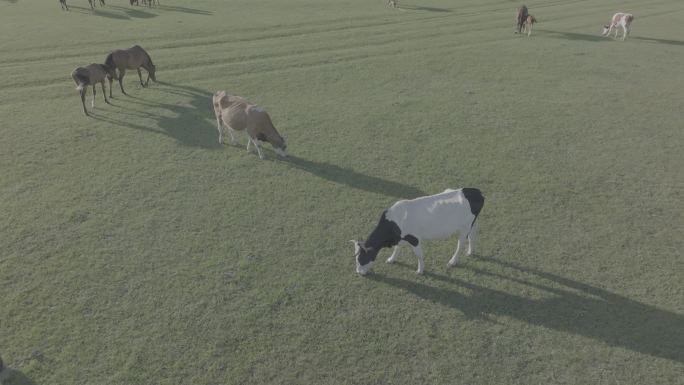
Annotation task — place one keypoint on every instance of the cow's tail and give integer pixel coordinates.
(476, 201)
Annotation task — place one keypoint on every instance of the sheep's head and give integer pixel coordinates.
(365, 258)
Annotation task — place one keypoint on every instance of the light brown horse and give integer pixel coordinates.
(90, 75)
(128, 59)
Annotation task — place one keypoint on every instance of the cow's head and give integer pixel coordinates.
(365, 257)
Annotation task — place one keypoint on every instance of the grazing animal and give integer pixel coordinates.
(527, 27)
(90, 75)
(132, 59)
(134, 2)
(412, 221)
(64, 5)
(392, 3)
(619, 19)
(236, 113)
(520, 17)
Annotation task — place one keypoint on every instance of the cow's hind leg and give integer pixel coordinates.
(454, 259)
(418, 251)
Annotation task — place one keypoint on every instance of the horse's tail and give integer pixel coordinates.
(81, 78)
(110, 66)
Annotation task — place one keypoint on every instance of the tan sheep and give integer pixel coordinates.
(236, 113)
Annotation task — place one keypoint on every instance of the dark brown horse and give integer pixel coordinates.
(520, 18)
(128, 59)
(90, 75)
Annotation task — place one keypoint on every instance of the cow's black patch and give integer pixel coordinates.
(385, 234)
(413, 241)
(475, 199)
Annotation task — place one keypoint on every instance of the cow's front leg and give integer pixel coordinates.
(418, 251)
(395, 254)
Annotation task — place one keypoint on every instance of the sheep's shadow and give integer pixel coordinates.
(189, 124)
(661, 41)
(575, 307)
(354, 179)
(569, 35)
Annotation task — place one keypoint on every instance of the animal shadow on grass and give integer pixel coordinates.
(354, 179)
(133, 12)
(189, 125)
(193, 11)
(422, 8)
(661, 41)
(11, 376)
(575, 308)
(570, 35)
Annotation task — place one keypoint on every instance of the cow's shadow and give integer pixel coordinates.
(354, 179)
(570, 306)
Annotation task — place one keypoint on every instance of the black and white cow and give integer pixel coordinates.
(412, 221)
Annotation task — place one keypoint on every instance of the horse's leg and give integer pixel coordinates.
(92, 102)
(140, 76)
(122, 72)
(83, 92)
(104, 91)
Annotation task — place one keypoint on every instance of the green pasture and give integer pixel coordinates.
(135, 249)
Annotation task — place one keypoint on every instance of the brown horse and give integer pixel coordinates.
(90, 75)
(520, 18)
(128, 59)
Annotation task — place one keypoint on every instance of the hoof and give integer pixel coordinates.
(420, 272)
(390, 260)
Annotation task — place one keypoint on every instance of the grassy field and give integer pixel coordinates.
(134, 249)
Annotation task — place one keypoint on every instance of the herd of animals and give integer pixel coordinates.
(407, 222)
(93, 3)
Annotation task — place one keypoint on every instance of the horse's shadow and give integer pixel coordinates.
(354, 179)
(571, 306)
(661, 41)
(175, 8)
(422, 8)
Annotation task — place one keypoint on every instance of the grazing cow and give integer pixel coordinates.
(619, 19)
(527, 27)
(429, 217)
(90, 75)
(520, 18)
(64, 5)
(236, 113)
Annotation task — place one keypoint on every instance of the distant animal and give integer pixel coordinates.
(134, 2)
(236, 113)
(392, 3)
(527, 27)
(413, 221)
(64, 5)
(92, 4)
(87, 76)
(520, 17)
(619, 19)
(132, 59)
